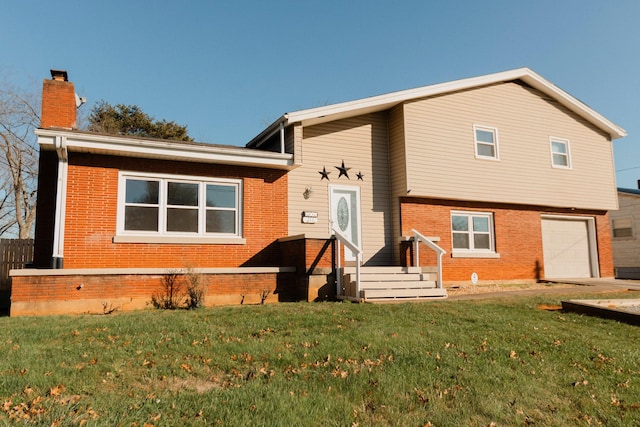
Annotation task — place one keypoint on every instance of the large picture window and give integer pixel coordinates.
(187, 206)
(472, 231)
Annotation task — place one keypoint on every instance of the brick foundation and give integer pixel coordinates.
(46, 292)
(313, 259)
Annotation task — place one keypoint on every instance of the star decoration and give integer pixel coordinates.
(343, 170)
(360, 176)
(324, 174)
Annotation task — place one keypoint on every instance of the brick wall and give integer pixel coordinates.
(518, 238)
(605, 251)
(92, 206)
(97, 293)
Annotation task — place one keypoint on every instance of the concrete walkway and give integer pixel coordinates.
(589, 285)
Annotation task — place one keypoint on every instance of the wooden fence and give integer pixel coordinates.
(14, 253)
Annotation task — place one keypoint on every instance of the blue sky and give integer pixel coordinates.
(227, 69)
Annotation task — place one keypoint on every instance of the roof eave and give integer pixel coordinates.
(165, 150)
(332, 112)
(266, 134)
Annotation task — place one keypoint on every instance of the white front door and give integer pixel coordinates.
(344, 204)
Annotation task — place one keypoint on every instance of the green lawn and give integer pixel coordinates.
(445, 363)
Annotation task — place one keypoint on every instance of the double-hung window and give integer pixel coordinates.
(486, 141)
(472, 232)
(154, 205)
(560, 156)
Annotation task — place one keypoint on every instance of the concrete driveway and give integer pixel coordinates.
(590, 285)
(603, 282)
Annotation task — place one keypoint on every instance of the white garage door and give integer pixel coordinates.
(565, 244)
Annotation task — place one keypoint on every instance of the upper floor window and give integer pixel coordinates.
(179, 206)
(486, 141)
(472, 231)
(560, 156)
(622, 227)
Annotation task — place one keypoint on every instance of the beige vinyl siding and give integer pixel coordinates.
(296, 143)
(626, 250)
(362, 142)
(289, 138)
(441, 158)
(398, 163)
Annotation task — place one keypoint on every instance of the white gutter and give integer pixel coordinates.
(61, 201)
(160, 149)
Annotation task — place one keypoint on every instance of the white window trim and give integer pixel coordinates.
(137, 236)
(475, 253)
(553, 139)
(491, 129)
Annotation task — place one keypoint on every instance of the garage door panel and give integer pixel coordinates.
(566, 248)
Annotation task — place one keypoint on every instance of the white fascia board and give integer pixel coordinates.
(129, 147)
(383, 102)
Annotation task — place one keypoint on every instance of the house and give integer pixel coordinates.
(507, 173)
(625, 242)
(495, 178)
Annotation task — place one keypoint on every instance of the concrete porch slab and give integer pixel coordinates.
(623, 310)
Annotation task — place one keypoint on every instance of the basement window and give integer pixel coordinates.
(179, 206)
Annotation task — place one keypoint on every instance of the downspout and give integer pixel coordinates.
(57, 257)
(281, 137)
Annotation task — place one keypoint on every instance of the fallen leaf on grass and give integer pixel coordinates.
(55, 391)
(549, 307)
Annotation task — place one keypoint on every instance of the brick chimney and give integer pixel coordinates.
(58, 102)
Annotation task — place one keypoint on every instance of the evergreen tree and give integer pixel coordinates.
(131, 120)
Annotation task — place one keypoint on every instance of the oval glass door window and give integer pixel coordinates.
(343, 214)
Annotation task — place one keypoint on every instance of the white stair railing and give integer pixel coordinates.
(417, 238)
(341, 238)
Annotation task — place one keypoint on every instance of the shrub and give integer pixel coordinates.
(196, 288)
(170, 294)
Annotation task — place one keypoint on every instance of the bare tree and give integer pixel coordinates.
(19, 117)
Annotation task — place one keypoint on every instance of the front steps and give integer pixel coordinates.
(384, 284)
